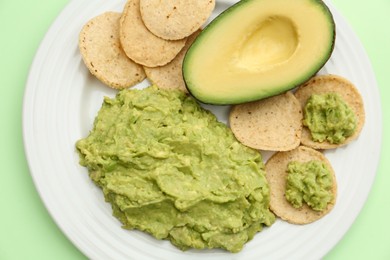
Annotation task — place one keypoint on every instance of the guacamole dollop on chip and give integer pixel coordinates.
(169, 168)
(329, 118)
(309, 182)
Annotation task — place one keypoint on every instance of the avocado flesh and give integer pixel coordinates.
(259, 48)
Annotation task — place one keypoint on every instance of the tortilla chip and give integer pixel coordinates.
(140, 44)
(276, 173)
(326, 84)
(170, 76)
(102, 53)
(272, 124)
(174, 20)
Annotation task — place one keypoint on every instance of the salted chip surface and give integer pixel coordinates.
(170, 76)
(140, 44)
(272, 124)
(103, 55)
(176, 19)
(276, 173)
(323, 84)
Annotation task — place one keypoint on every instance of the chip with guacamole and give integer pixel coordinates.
(333, 110)
(169, 168)
(303, 185)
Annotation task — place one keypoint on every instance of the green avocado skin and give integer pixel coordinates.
(169, 168)
(214, 97)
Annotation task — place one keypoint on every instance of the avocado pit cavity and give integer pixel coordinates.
(274, 41)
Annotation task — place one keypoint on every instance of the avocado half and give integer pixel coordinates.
(259, 48)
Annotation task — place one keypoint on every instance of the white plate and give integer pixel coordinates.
(62, 98)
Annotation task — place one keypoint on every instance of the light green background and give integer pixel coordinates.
(26, 229)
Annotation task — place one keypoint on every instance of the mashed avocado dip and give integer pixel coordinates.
(310, 182)
(169, 168)
(329, 118)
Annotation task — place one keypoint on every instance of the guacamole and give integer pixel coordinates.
(169, 168)
(329, 118)
(309, 182)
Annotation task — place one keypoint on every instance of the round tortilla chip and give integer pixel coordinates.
(272, 124)
(174, 20)
(170, 76)
(325, 84)
(102, 53)
(140, 44)
(276, 174)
